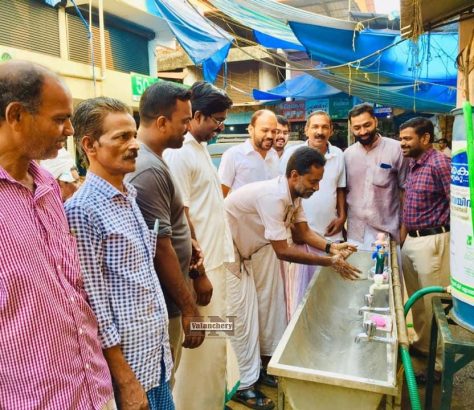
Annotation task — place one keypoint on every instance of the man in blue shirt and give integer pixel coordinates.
(116, 251)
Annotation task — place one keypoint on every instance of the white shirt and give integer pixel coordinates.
(242, 164)
(261, 212)
(197, 179)
(321, 207)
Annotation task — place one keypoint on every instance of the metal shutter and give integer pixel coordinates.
(125, 51)
(30, 25)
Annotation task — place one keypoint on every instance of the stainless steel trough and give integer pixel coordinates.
(319, 364)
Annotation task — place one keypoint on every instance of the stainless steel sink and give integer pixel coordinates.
(318, 362)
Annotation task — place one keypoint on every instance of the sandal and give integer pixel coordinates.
(422, 377)
(267, 379)
(253, 399)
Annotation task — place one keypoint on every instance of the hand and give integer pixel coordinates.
(131, 396)
(344, 269)
(203, 288)
(335, 226)
(192, 338)
(197, 258)
(345, 249)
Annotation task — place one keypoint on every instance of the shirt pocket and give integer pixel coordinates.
(382, 177)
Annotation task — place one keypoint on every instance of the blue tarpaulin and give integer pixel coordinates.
(303, 86)
(55, 3)
(204, 42)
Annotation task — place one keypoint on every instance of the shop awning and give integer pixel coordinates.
(303, 86)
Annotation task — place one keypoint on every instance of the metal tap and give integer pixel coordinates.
(369, 334)
(373, 309)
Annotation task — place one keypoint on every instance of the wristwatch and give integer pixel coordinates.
(328, 247)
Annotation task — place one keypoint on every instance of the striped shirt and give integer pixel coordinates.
(116, 250)
(50, 355)
(427, 191)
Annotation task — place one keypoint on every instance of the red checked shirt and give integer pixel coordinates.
(50, 355)
(427, 191)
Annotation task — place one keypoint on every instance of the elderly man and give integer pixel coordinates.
(197, 179)
(253, 160)
(165, 113)
(376, 172)
(282, 135)
(50, 355)
(116, 251)
(443, 147)
(326, 209)
(260, 214)
(425, 251)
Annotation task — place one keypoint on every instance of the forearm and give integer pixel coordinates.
(191, 226)
(120, 370)
(302, 234)
(171, 277)
(341, 203)
(293, 254)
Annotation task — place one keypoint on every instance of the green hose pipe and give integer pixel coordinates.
(410, 378)
(420, 293)
(467, 110)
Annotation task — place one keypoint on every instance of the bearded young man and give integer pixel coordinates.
(376, 173)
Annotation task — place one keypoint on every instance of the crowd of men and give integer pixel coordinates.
(100, 296)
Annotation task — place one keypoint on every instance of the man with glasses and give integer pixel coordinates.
(254, 160)
(196, 177)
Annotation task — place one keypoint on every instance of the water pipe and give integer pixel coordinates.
(467, 110)
(402, 331)
(420, 293)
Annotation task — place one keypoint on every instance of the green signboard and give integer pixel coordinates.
(339, 107)
(140, 83)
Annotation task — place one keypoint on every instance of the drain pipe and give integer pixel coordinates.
(402, 331)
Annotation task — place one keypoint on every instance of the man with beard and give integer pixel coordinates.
(165, 113)
(116, 251)
(326, 209)
(198, 182)
(425, 251)
(261, 214)
(376, 172)
(253, 160)
(50, 354)
(282, 135)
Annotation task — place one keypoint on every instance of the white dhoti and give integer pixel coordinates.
(255, 295)
(201, 378)
(270, 288)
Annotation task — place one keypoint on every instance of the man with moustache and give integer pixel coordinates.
(198, 182)
(326, 209)
(50, 354)
(425, 229)
(165, 112)
(259, 214)
(282, 135)
(376, 173)
(116, 251)
(253, 160)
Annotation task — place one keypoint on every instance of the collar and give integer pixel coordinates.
(375, 145)
(328, 153)
(107, 189)
(423, 159)
(189, 139)
(42, 179)
(284, 188)
(247, 146)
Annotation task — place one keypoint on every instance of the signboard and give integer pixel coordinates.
(320, 104)
(339, 107)
(293, 110)
(140, 83)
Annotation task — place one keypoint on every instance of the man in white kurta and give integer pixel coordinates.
(260, 214)
(253, 160)
(325, 210)
(197, 179)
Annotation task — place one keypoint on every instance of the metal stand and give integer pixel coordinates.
(457, 352)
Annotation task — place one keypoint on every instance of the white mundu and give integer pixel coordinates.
(320, 208)
(242, 164)
(258, 213)
(204, 373)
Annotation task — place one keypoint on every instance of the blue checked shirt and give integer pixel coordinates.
(116, 251)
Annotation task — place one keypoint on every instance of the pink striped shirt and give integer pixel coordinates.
(50, 355)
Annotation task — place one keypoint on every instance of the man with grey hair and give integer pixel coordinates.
(50, 355)
(116, 250)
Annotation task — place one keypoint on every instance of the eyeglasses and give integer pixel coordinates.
(219, 123)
